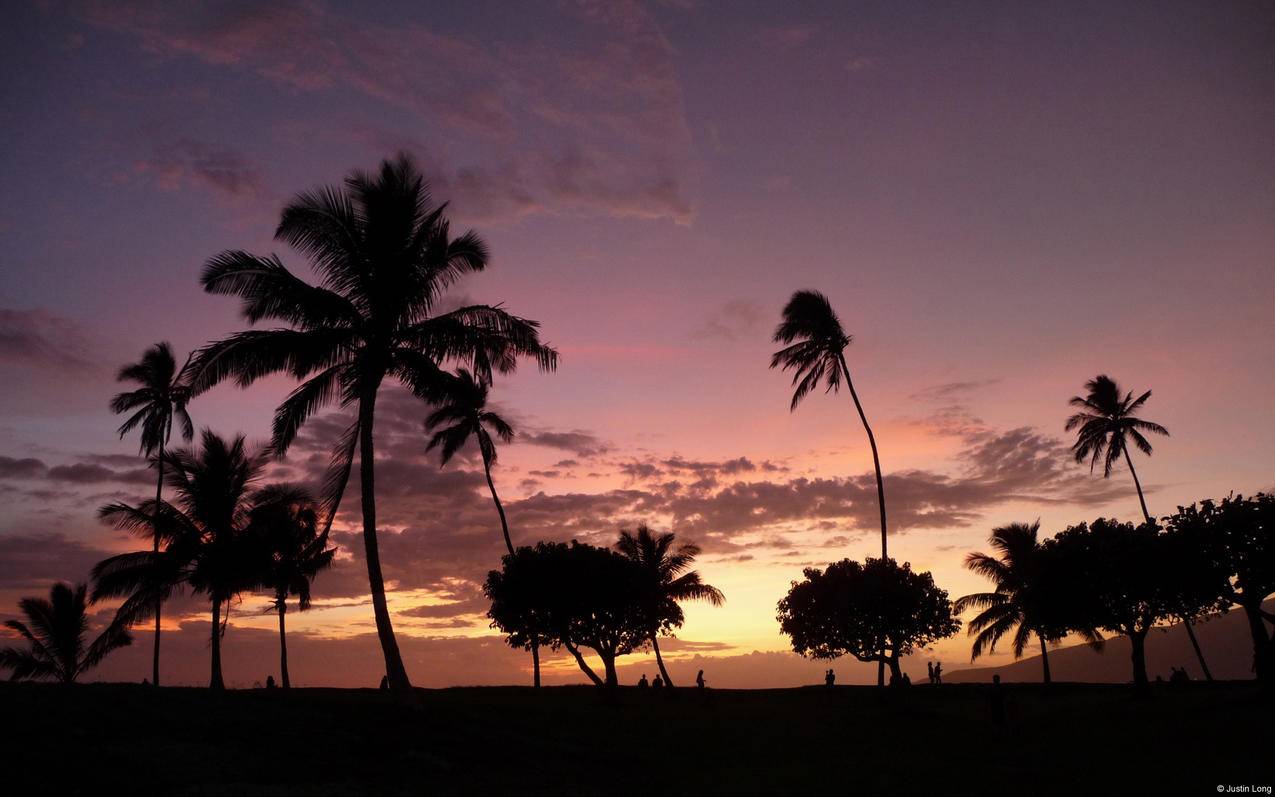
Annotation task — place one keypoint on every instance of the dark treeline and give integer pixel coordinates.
(384, 254)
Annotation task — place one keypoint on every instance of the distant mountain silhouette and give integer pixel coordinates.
(1228, 648)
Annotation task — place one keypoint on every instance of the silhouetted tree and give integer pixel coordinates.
(284, 520)
(814, 347)
(54, 633)
(850, 608)
(206, 545)
(159, 399)
(1107, 423)
(664, 581)
(385, 255)
(570, 596)
(1021, 602)
(1240, 533)
(461, 415)
(1114, 581)
(1193, 569)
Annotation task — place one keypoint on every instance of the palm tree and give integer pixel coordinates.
(207, 550)
(814, 348)
(285, 521)
(385, 255)
(54, 632)
(1107, 422)
(1021, 596)
(665, 579)
(160, 398)
(463, 414)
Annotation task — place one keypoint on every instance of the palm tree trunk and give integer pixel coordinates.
(159, 491)
(1044, 659)
(1137, 484)
(1199, 654)
(876, 465)
(659, 659)
(872, 442)
(584, 665)
(608, 664)
(283, 646)
(504, 523)
(394, 670)
(216, 682)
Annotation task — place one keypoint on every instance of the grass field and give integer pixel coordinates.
(1070, 739)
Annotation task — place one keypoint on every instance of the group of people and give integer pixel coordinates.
(658, 683)
(935, 669)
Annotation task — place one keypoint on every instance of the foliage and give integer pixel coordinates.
(54, 632)
(1106, 423)
(284, 521)
(160, 399)
(860, 609)
(570, 596)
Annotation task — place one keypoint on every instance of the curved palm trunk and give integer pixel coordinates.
(216, 681)
(509, 544)
(1138, 485)
(159, 491)
(659, 660)
(283, 647)
(394, 670)
(876, 465)
(1044, 660)
(1189, 624)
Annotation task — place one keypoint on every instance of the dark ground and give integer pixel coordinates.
(1071, 739)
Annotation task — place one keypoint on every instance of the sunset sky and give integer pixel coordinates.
(1002, 200)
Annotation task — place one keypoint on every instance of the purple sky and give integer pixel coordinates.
(1001, 201)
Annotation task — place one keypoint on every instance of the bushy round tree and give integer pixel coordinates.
(862, 609)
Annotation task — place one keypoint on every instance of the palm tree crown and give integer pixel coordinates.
(1014, 572)
(463, 414)
(54, 632)
(666, 579)
(814, 344)
(1106, 423)
(384, 255)
(161, 397)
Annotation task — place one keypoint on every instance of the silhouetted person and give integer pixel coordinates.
(146, 682)
(830, 677)
(996, 701)
(642, 682)
(929, 669)
(658, 683)
(907, 679)
(938, 672)
(270, 682)
(1179, 676)
(385, 682)
(699, 679)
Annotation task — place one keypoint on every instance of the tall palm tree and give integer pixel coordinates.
(160, 399)
(285, 521)
(54, 632)
(814, 347)
(1021, 596)
(385, 255)
(666, 578)
(461, 415)
(1106, 423)
(207, 550)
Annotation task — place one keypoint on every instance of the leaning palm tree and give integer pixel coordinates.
(384, 254)
(159, 400)
(462, 415)
(54, 632)
(815, 345)
(1106, 423)
(815, 350)
(665, 578)
(207, 548)
(1020, 599)
(285, 521)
